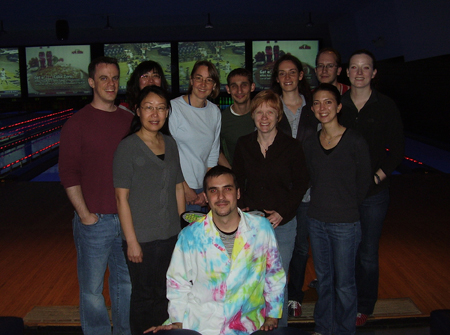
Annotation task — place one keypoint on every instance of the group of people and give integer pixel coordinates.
(130, 171)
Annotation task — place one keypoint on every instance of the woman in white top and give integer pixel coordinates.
(195, 126)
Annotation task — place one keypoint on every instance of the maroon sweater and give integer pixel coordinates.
(88, 142)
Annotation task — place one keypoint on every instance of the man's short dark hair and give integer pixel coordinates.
(240, 72)
(336, 53)
(217, 171)
(101, 60)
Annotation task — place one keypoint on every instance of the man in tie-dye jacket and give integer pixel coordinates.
(226, 275)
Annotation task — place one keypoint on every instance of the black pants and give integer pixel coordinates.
(148, 306)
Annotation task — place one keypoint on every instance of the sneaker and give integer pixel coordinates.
(361, 319)
(295, 309)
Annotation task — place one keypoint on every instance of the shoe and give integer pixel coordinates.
(294, 309)
(313, 283)
(316, 333)
(361, 319)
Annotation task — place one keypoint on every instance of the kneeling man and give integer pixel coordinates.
(226, 275)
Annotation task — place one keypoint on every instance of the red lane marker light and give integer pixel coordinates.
(37, 118)
(49, 122)
(410, 159)
(30, 155)
(30, 138)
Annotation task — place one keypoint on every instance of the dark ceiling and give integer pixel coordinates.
(33, 22)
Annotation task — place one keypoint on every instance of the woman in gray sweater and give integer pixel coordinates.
(150, 196)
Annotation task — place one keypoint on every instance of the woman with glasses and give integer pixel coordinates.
(299, 122)
(195, 126)
(150, 197)
(146, 74)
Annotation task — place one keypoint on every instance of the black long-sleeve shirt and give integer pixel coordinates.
(275, 182)
(340, 178)
(380, 124)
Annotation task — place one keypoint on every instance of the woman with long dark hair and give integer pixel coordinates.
(299, 122)
(339, 165)
(147, 73)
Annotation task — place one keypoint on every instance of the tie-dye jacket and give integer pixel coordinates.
(214, 294)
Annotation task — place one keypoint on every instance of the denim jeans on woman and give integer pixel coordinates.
(334, 247)
(372, 211)
(100, 246)
(285, 236)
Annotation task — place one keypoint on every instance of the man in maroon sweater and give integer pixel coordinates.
(88, 142)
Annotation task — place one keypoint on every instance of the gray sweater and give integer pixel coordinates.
(151, 182)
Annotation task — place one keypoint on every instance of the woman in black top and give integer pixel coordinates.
(377, 119)
(339, 165)
(271, 171)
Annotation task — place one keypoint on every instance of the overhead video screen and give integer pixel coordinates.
(9, 73)
(130, 55)
(58, 70)
(225, 55)
(266, 53)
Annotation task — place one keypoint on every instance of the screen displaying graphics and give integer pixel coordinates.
(225, 55)
(9, 73)
(266, 53)
(130, 55)
(58, 70)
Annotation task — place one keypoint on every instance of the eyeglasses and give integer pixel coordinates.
(153, 76)
(323, 66)
(150, 109)
(199, 79)
(291, 73)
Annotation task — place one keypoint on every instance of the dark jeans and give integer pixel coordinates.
(148, 306)
(372, 211)
(299, 256)
(334, 247)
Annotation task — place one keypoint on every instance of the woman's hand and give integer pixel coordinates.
(190, 195)
(176, 325)
(134, 252)
(269, 324)
(201, 199)
(274, 218)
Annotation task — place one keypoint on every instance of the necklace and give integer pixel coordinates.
(263, 146)
(189, 100)
(328, 140)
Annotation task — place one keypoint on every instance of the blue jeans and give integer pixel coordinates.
(372, 211)
(300, 256)
(334, 247)
(285, 236)
(98, 246)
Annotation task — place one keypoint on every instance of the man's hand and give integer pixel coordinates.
(176, 325)
(89, 220)
(269, 324)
